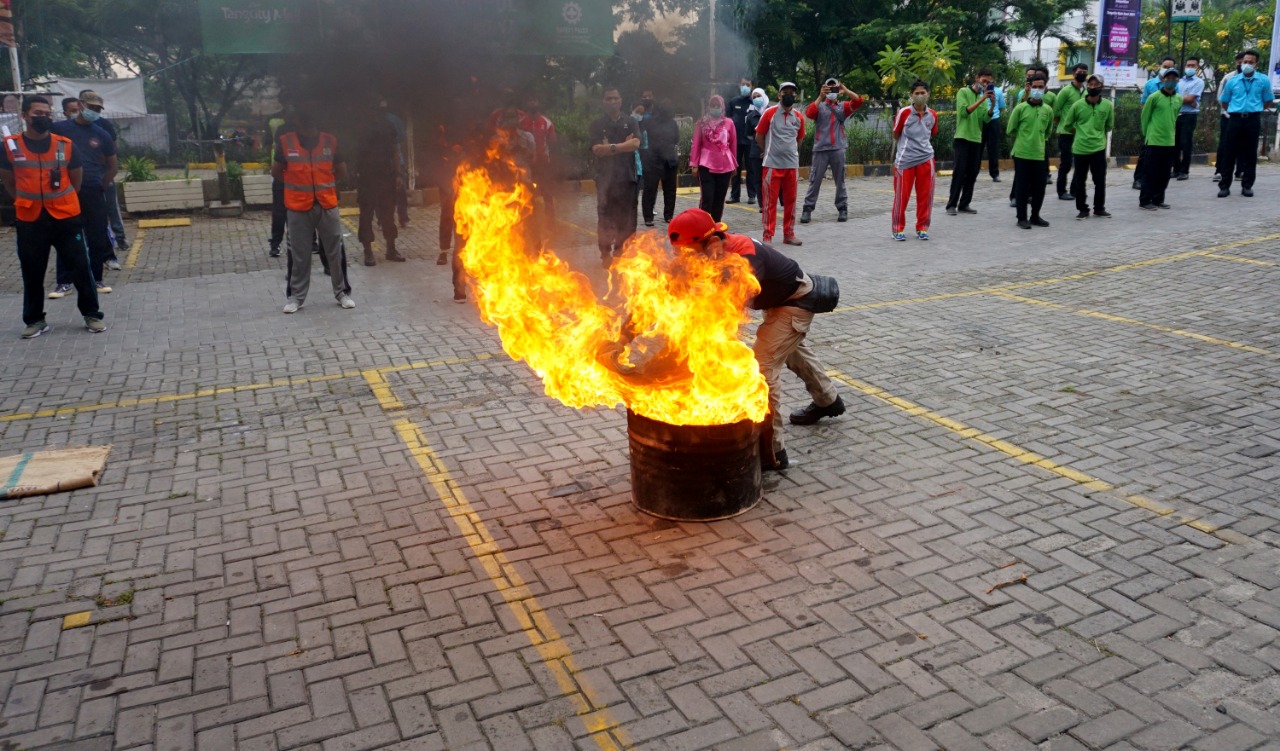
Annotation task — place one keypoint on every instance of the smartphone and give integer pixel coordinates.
(991, 87)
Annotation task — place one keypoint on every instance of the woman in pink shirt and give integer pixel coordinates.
(713, 156)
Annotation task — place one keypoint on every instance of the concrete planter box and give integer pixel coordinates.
(163, 195)
(257, 190)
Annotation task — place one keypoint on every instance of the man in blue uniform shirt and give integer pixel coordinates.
(1243, 98)
(97, 152)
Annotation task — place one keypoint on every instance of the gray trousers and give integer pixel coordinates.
(302, 225)
(779, 342)
(822, 161)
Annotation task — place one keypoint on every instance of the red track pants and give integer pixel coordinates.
(779, 184)
(919, 177)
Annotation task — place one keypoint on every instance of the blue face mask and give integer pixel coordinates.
(1037, 94)
(745, 90)
(89, 114)
(715, 112)
(1189, 72)
(1247, 69)
(1168, 85)
(760, 101)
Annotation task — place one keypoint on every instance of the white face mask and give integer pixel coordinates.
(832, 97)
(1247, 69)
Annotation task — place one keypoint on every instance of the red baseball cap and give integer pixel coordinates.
(692, 226)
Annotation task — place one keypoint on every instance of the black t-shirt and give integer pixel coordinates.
(737, 111)
(40, 146)
(109, 127)
(614, 168)
(376, 156)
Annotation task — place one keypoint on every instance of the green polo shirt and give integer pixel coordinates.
(1160, 118)
(1030, 125)
(1066, 99)
(969, 124)
(1090, 123)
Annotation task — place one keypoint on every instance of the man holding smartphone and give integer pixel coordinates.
(991, 131)
(973, 111)
(830, 145)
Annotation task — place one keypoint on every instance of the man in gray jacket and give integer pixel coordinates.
(830, 145)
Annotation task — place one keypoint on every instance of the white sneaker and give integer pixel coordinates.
(346, 302)
(291, 306)
(60, 291)
(113, 264)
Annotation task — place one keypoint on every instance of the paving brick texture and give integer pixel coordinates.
(279, 557)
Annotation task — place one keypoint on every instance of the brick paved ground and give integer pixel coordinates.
(369, 529)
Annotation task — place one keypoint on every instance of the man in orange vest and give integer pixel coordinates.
(308, 163)
(42, 172)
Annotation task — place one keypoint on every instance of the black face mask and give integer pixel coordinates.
(1082, 77)
(788, 100)
(41, 124)
(1095, 92)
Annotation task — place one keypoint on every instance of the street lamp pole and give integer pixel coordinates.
(713, 40)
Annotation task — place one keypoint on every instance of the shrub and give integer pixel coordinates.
(139, 169)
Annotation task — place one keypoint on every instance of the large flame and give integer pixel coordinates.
(686, 365)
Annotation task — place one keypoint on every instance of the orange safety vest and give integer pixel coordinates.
(33, 174)
(308, 175)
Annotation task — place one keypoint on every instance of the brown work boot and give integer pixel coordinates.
(392, 253)
(369, 260)
(443, 258)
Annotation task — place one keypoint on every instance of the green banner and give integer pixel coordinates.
(257, 26)
(519, 27)
(572, 28)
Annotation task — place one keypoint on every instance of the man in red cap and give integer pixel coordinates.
(788, 298)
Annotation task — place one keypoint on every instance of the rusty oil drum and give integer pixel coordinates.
(694, 472)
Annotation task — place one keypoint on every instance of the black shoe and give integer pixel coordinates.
(1103, 213)
(1216, 177)
(1224, 192)
(1037, 221)
(805, 216)
(812, 413)
(733, 200)
(1246, 192)
(1083, 214)
(1013, 203)
(951, 211)
(275, 252)
(995, 178)
(1137, 185)
(1184, 176)
(1024, 224)
(1239, 175)
(967, 210)
(648, 222)
(1148, 207)
(844, 216)
(1163, 206)
(779, 462)
(1066, 197)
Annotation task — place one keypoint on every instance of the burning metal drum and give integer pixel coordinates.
(694, 472)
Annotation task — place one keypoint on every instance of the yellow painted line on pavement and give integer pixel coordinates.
(1239, 259)
(1133, 322)
(135, 250)
(76, 620)
(1203, 252)
(1087, 481)
(605, 730)
(235, 389)
(162, 223)
(382, 390)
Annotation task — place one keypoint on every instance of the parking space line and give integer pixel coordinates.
(135, 250)
(1060, 279)
(604, 729)
(1087, 481)
(1239, 259)
(235, 389)
(1133, 322)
